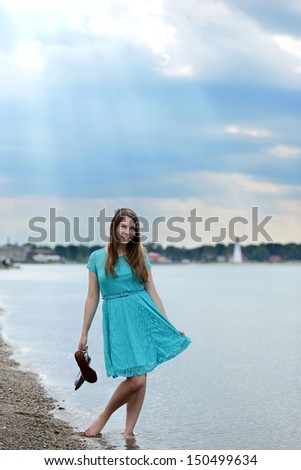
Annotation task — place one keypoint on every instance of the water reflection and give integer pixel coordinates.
(131, 444)
(101, 442)
(112, 441)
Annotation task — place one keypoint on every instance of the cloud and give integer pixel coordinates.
(180, 40)
(286, 152)
(284, 225)
(226, 41)
(5, 179)
(232, 189)
(162, 102)
(289, 44)
(292, 47)
(256, 133)
(271, 15)
(28, 57)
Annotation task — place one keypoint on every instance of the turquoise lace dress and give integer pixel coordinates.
(137, 336)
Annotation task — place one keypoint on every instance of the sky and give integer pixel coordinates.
(171, 108)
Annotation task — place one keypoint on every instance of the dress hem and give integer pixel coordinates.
(152, 366)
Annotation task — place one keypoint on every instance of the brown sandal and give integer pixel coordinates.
(79, 379)
(83, 360)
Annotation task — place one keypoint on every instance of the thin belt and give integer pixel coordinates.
(121, 294)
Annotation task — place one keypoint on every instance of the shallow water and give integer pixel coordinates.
(236, 387)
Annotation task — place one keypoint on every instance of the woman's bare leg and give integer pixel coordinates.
(122, 395)
(133, 408)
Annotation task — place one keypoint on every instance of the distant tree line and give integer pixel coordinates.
(209, 253)
(205, 253)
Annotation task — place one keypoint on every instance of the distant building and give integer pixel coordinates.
(275, 259)
(209, 257)
(15, 253)
(157, 258)
(237, 254)
(45, 256)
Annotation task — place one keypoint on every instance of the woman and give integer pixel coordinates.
(137, 333)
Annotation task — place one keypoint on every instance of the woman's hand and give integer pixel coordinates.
(182, 332)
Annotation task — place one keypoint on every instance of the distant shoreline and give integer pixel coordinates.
(176, 263)
(206, 253)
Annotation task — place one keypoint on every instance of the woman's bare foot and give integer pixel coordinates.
(129, 435)
(96, 427)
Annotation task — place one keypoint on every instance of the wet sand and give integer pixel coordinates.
(26, 422)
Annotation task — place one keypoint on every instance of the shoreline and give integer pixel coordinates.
(173, 263)
(26, 406)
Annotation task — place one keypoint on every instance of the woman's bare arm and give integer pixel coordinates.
(91, 305)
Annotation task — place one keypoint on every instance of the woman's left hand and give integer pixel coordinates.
(182, 332)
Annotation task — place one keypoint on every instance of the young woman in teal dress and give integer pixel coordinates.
(137, 334)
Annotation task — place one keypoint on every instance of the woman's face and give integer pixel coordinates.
(125, 230)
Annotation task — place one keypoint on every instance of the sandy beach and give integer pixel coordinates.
(26, 422)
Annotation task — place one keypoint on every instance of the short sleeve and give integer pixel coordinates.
(147, 261)
(91, 262)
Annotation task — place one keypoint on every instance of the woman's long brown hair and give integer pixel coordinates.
(134, 249)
